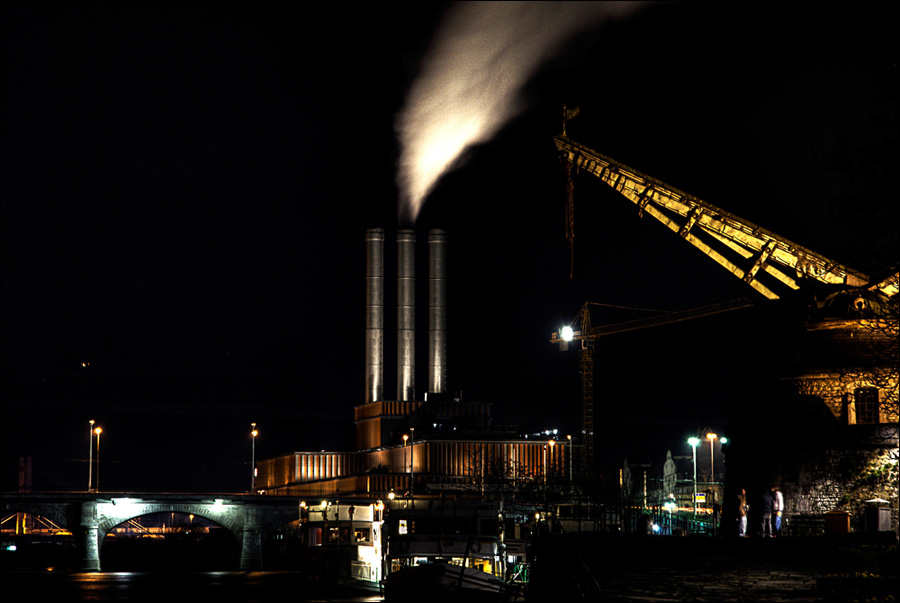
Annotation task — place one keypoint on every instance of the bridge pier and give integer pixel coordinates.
(251, 541)
(90, 543)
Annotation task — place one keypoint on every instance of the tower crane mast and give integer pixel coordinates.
(588, 335)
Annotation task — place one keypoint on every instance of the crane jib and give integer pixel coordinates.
(764, 260)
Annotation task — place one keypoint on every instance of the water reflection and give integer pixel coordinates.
(221, 587)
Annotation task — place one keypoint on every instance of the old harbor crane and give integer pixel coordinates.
(772, 265)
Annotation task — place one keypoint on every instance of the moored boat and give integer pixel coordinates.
(442, 566)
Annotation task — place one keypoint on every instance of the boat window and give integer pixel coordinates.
(483, 565)
(338, 535)
(362, 535)
(315, 536)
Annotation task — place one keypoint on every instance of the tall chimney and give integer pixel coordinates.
(374, 315)
(406, 315)
(437, 314)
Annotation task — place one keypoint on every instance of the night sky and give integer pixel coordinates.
(186, 188)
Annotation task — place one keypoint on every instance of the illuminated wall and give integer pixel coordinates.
(377, 472)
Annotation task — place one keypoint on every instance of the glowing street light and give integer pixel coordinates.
(545, 471)
(98, 430)
(694, 442)
(552, 462)
(405, 461)
(712, 458)
(253, 434)
(568, 437)
(412, 459)
(90, 455)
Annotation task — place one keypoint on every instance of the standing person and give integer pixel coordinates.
(777, 509)
(742, 513)
(768, 505)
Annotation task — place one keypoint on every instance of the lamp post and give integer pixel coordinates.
(552, 463)
(405, 461)
(90, 455)
(694, 442)
(98, 430)
(545, 470)
(412, 463)
(712, 462)
(568, 437)
(253, 434)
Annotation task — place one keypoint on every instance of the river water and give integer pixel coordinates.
(158, 587)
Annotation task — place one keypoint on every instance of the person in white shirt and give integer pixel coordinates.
(777, 509)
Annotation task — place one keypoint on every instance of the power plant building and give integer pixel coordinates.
(406, 446)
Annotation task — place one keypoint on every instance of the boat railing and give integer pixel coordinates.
(361, 571)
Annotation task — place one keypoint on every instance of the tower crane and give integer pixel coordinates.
(588, 335)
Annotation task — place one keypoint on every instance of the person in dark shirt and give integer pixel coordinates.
(768, 505)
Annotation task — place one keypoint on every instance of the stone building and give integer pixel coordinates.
(829, 438)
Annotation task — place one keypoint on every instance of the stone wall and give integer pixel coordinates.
(841, 480)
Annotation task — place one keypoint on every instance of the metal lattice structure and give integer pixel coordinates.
(769, 263)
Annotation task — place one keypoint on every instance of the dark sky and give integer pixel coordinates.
(185, 190)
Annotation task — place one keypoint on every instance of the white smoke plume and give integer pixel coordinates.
(470, 82)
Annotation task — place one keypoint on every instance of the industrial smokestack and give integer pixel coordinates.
(406, 315)
(437, 314)
(374, 314)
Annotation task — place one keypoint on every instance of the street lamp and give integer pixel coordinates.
(412, 462)
(253, 434)
(405, 462)
(98, 431)
(552, 462)
(568, 437)
(90, 454)
(694, 442)
(712, 457)
(545, 470)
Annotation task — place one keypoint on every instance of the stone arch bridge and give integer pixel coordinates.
(90, 516)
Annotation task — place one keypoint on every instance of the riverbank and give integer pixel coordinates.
(617, 568)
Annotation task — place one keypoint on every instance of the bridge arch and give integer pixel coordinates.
(93, 515)
(170, 541)
(118, 511)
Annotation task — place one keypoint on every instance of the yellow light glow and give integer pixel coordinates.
(711, 436)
